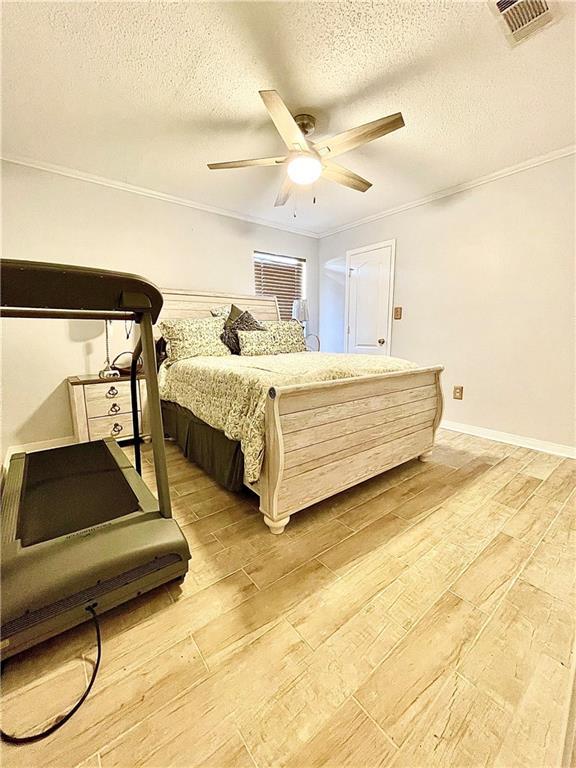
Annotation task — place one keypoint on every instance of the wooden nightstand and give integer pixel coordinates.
(102, 407)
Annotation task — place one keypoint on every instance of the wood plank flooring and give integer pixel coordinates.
(424, 618)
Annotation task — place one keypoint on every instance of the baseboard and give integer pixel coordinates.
(42, 445)
(506, 437)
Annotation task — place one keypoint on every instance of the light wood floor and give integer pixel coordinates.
(424, 618)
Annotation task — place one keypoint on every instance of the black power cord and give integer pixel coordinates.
(64, 719)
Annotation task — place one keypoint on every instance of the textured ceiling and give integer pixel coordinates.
(147, 93)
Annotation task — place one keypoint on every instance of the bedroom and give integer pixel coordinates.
(406, 612)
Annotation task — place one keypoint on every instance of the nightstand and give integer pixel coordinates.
(102, 407)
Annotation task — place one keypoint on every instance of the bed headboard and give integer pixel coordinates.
(179, 303)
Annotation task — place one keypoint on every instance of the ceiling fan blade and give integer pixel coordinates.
(355, 137)
(247, 163)
(343, 176)
(284, 122)
(284, 193)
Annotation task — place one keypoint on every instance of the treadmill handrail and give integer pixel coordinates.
(39, 288)
(65, 314)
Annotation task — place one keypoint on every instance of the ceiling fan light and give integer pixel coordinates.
(304, 169)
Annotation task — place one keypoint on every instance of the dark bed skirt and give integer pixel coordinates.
(218, 456)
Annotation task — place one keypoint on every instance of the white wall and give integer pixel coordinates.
(52, 218)
(486, 280)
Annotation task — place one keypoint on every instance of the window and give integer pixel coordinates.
(280, 276)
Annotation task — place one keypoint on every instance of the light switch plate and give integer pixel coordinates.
(397, 313)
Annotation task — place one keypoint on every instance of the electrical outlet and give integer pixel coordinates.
(458, 392)
(397, 313)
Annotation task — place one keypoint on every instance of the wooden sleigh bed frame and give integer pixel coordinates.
(324, 437)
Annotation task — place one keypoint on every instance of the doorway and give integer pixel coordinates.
(370, 298)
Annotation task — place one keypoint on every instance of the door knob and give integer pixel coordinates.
(381, 341)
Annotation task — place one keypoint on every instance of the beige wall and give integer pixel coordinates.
(52, 218)
(486, 280)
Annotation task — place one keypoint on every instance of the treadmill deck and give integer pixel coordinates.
(68, 489)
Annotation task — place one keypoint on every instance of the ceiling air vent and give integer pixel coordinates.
(523, 17)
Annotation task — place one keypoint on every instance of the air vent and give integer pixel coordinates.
(523, 17)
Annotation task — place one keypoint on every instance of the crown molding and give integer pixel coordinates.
(145, 192)
(72, 173)
(449, 191)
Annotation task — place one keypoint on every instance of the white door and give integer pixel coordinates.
(369, 294)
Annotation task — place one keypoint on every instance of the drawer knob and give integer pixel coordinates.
(117, 428)
(112, 392)
(114, 408)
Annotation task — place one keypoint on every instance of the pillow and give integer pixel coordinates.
(245, 322)
(194, 337)
(222, 311)
(228, 311)
(281, 336)
(161, 351)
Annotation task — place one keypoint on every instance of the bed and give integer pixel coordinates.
(318, 437)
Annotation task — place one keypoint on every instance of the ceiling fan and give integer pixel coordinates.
(306, 161)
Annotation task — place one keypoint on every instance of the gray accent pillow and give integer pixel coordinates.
(244, 322)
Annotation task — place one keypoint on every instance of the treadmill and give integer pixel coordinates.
(80, 530)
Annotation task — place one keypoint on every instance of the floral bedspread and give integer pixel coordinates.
(229, 393)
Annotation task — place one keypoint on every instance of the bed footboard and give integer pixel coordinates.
(325, 437)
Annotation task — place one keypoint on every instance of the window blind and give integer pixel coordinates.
(280, 276)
